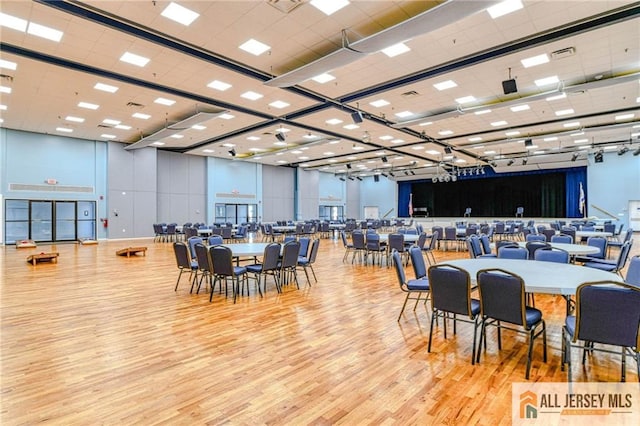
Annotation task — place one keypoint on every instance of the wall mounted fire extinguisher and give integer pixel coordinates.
(105, 222)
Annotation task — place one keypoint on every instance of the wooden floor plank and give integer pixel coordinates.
(98, 338)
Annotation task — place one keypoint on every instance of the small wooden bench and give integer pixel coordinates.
(34, 259)
(88, 242)
(25, 244)
(132, 251)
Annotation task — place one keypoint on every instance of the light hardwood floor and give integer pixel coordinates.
(103, 339)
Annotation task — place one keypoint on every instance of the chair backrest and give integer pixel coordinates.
(562, 238)
(601, 244)
(215, 240)
(450, 232)
(474, 246)
(623, 255)
(181, 251)
(315, 245)
(485, 243)
(434, 240)
(417, 261)
(397, 264)
(450, 289)
(226, 233)
(358, 240)
(550, 254)
(439, 231)
(203, 258)
(271, 257)
(422, 240)
(502, 296)
(610, 227)
(549, 233)
(608, 312)
(343, 237)
(290, 254)
(221, 260)
(304, 246)
(633, 272)
(532, 246)
(396, 241)
(628, 235)
(536, 237)
(373, 241)
(508, 252)
(192, 242)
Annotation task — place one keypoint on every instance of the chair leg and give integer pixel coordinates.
(178, 282)
(403, 306)
(433, 319)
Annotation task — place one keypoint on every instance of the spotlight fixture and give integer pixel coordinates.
(392, 175)
(406, 173)
(359, 178)
(575, 156)
(342, 179)
(524, 161)
(351, 178)
(510, 162)
(356, 117)
(384, 159)
(413, 173)
(636, 152)
(232, 152)
(280, 136)
(493, 164)
(528, 143)
(383, 174)
(623, 150)
(598, 157)
(348, 166)
(447, 150)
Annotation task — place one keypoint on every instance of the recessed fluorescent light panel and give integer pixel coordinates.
(482, 111)
(74, 119)
(475, 139)
(426, 123)
(512, 133)
(226, 116)
(111, 121)
(547, 81)
(564, 112)
(88, 105)
(323, 78)
(379, 103)
(179, 14)
(122, 127)
(252, 96)
(107, 136)
(519, 108)
(4, 89)
(465, 99)
(44, 32)
(445, 85)
(404, 114)
(133, 59)
(8, 64)
(164, 101)
(105, 87)
(13, 22)
(572, 124)
(499, 123)
(198, 127)
(141, 116)
(333, 121)
(624, 116)
(557, 97)
(535, 60)
(351, 127)
(329, 7)
(445, 132)
(395, 50)
(254, 47)
(64, 129)
(279, 104)
(504, 8)
(219, 85)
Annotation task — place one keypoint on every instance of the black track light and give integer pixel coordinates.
(447, 150)
(623, 150)
(636, 152)
(348, 166)
(384, 159)
(575, 156)
(510, 162)
(280, 136)
(232, 152)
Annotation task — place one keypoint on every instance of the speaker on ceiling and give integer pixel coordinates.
(509, 86)
(280, 136)
(356, 117)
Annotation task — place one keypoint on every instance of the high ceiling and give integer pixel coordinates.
(592, 47)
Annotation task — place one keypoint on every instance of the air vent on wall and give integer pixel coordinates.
(6, 77)
(563, 53)
(134, 105)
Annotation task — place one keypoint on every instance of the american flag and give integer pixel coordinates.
(410, 205)
(581, 205)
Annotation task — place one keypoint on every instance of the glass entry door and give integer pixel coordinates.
(49, 221)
